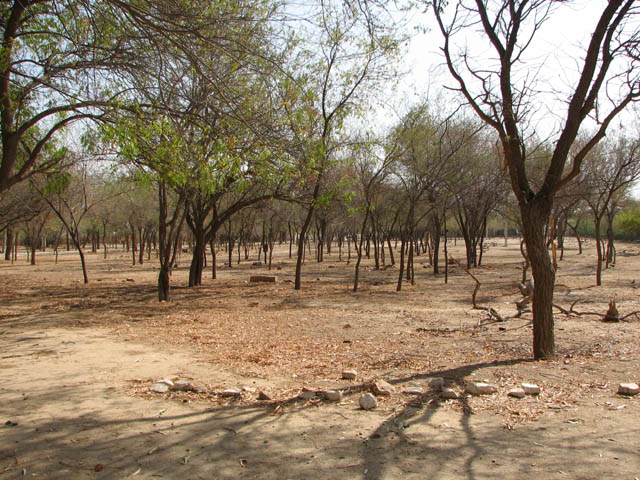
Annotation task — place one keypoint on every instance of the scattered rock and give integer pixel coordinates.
(231, 393)
(262, 395)
(517, 393)
(307, 394)
(182, 386)
(167, 382)
(531, 388)
(199, 389)
(413, 390)
(263, 278)
(332, 395)
(450, 394)
(436, 382)
(349, 374)
(159, 387)
(249, 389)
(381, 387)
(628, 389)
(368, 402)
(480, 388)
(10, 423)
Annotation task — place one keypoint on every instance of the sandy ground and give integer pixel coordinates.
(77, 362)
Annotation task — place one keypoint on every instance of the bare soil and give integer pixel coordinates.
(77, 361)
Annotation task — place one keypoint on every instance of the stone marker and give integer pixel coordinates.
(531, 388)
(436, 382)
(628, 389)
(307, 394)
(450, 394)
(263, 278)
(349, 374)
(332, 395)
(517, 393)
(262, 395)
(159, 387)
(413, 390)
(368, 402)
(381, 387)
(231, 393)
(182, 386)
(480, 388)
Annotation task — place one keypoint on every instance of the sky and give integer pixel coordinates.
(554, 57)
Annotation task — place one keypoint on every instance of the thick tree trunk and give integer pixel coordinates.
(534, 218)
(197, 260)
(164, 285)
(9, 244)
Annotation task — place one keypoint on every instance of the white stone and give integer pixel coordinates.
(413, 390)
(517, 393)
(368, 402)
(450, 393)
(531, 389)
(159, 387)
(628, 389)
(249, 389)
(480, 388)
(381, 387)
(262, 395)
(231, 393)
(332, 395)
(167, 382)
(436, 382)
(307, 395)
(349, 374)
(182, 386)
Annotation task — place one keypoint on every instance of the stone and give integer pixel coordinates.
(517, 393)
(531, 388)
(628, 389)
(480, 388)
(249, 389)
(199, 389)
(450, 394)
(368, 402)
(307, 394)
(436, 382)
(231, 393)
(182, 386)
(263, 278)
(349, 374)
(167, 382)
(262, 395)
(159, 387)
(383, 388)
(332, 395)
(413, 390)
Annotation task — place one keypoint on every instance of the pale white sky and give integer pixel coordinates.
(554, 57)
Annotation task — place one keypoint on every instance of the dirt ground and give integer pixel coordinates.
(77, 361)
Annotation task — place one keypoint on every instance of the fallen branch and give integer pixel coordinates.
(572, 311)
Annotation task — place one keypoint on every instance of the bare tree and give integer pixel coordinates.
(502, 92)
(609, 171)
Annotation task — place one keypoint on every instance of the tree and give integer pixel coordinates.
(501, 90)
(609, 171)
(351, 47)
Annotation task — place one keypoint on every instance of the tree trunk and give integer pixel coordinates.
(197, 260)
(164, 285)
(9, 244)
(535, 216)
(598, 251)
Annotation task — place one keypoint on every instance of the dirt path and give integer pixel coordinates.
(76, 363)
(67, 391)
